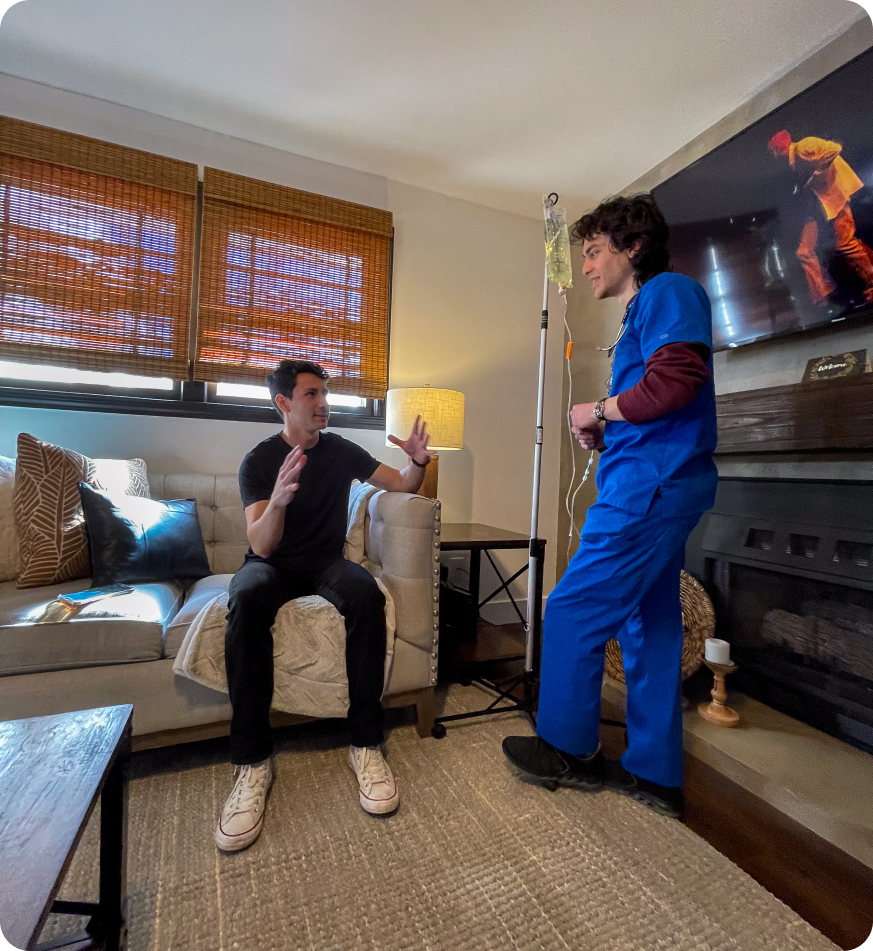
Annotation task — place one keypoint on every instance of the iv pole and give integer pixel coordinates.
(527, 680)
(534, 576)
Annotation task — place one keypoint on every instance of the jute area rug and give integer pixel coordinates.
(474, 860)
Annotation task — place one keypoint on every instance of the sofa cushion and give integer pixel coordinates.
(223, 520)
(199, 595)
(220, 510)
(38, 633)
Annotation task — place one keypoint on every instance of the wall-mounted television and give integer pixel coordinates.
(777, 223)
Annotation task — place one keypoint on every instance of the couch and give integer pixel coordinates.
(121, 649)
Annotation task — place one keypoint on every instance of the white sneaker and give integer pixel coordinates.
(242, 817)
(378, 791)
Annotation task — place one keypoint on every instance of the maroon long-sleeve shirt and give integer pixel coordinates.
(674, 376)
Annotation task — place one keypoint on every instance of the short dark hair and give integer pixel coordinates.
(284, 378)
(624, 221)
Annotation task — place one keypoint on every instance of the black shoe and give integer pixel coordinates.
(551, 766)
(665, 800)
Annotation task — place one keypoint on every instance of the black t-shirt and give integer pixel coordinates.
(316, 520)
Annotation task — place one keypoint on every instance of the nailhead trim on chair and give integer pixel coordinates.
(436, 584)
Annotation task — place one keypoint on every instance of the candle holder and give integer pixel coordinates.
(715, 711)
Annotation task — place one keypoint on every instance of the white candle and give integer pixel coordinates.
(717, 651)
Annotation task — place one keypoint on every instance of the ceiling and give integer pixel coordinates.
(494, 102)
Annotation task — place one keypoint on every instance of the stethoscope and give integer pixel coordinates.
(610, 351)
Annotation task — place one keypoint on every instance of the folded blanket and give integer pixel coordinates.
(356, 533)
(309, 654)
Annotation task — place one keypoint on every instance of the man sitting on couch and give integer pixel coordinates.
(295, 489)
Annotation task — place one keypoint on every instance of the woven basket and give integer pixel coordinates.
(698, 623)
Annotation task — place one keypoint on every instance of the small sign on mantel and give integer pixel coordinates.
(851, 363)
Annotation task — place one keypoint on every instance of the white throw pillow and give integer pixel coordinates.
(8, 530)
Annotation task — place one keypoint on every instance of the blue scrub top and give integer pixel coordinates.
(673, 453)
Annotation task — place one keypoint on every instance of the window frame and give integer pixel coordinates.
(93, 399)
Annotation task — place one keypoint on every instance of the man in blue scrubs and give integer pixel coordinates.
(657, 433)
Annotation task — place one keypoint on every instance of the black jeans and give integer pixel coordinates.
(257, 591)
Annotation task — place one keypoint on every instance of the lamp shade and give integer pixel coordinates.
(442, 410)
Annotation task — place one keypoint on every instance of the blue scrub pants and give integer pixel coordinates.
(622, 582)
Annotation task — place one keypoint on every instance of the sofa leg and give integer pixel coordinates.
(424, 707)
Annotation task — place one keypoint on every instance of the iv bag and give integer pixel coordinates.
(558, 266)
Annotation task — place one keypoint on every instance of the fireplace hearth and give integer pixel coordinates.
(789, 566)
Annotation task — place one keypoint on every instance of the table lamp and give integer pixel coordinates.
(442, 410)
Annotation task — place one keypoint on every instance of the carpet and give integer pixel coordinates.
(474, 860)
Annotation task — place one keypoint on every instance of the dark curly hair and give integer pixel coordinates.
(624, 221)
(284, 378)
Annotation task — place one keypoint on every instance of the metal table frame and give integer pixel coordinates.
(476, 538)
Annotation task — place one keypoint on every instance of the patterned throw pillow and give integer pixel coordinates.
(48, 509)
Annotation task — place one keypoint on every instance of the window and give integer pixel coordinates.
(97, 296)
(248, 391)
(96, 254)
(285, 274)
(68, 376)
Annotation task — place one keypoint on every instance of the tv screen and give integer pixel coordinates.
(777, 223)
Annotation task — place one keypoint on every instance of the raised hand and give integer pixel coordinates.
(288, 480)
(416, 446)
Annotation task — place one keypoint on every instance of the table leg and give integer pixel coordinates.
(538, 549)
(475, 572)
(113, 849)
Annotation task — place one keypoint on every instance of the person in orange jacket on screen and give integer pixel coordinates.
(821, 169)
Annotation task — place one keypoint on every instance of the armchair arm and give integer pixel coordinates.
(403, 549)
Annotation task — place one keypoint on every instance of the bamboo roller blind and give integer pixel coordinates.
(285, 274)
(96, 253)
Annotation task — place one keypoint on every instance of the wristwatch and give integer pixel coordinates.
(598, 410)
(421, 465)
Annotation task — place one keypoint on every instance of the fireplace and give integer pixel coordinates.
(789, 566)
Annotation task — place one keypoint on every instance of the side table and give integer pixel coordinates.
(476, 538)
(52, 771)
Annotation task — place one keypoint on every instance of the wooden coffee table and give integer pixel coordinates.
(52, 771)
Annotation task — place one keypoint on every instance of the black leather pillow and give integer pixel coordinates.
(136, 541)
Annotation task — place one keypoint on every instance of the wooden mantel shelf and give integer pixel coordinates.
(822, 416)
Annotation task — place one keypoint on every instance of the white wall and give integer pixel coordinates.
(71, 112)
(465, 315)
(467, 299)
